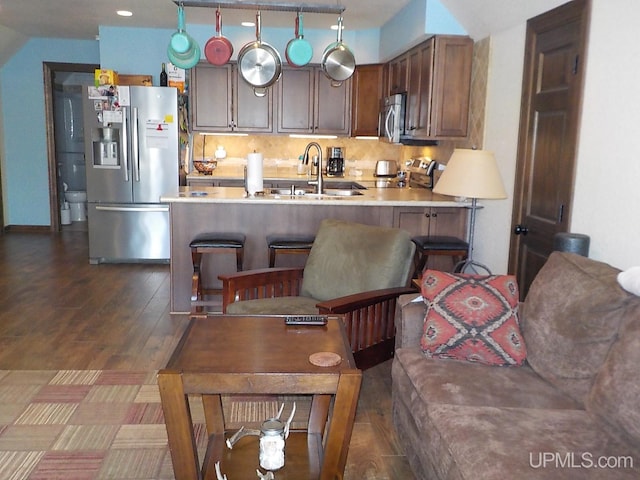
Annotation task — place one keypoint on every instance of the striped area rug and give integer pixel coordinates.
(99, 424)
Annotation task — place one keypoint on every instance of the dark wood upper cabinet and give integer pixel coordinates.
(309, 102)
(398, 69)
(366, 97)
(221, 101)
(436, 76)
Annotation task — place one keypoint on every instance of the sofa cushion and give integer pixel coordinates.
(274, 306)
(524, 444)
(570, 318)
(615, 394)
(430, 381)
(472, 317)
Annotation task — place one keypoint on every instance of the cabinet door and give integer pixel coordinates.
(332, 105)
(414, 92)
(423, 118)
(398, 70)
(366, 96)
(251, 113)
(451, 86)
(210, 97)
(295, 100)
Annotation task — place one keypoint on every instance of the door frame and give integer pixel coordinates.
(49, 70)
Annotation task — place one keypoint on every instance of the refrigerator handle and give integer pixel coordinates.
(125, 144)
(135, 166)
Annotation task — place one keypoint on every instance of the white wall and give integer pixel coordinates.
(493, 222)
(607, 194)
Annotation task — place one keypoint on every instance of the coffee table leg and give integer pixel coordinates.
(177, 417)
(341, 425)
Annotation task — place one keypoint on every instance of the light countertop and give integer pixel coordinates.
(392, 197)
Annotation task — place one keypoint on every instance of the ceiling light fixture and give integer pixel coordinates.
(248, 24)
(124, 13)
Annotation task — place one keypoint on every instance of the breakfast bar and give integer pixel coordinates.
(196, 210)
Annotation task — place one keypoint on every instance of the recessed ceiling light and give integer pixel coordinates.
(248, 24)
(124, 13)
(335, 27)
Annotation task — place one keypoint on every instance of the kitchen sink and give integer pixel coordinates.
(349, 189)
(341, 193)
(291, 191)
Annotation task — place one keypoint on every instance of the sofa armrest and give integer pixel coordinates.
(409, 320)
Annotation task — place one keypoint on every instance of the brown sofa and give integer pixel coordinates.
(571, 412)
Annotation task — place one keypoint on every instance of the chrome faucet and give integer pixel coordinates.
(318, 182)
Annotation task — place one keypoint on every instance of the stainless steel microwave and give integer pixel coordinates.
(392, 117)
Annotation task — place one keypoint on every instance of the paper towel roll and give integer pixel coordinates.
(254, 173)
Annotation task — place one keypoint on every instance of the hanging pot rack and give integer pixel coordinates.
(274, 6)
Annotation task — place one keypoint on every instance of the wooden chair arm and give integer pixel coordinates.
(361, 300)
(262, 283)
(369, 320)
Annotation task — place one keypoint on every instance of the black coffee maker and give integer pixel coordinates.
(335, 161)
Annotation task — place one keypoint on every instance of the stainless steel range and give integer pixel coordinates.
(421, 172)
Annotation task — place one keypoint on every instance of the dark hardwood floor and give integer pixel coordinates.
(59, 312)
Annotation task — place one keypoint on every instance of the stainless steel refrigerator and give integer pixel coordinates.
(132, 158)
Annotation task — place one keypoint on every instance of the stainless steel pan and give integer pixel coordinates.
(259, 63)
(338, 62)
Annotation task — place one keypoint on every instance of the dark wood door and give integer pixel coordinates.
(552, 93)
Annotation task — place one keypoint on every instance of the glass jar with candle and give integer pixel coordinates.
(272, 444)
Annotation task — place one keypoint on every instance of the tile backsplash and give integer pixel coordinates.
(281, 147)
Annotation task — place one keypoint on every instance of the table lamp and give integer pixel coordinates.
(472, 174)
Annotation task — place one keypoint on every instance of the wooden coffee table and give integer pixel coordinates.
(226, 354)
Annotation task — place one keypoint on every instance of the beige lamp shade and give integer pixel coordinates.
(471, 174)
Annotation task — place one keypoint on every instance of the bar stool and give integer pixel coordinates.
(438, 245)
(288, 244)
(211, 242)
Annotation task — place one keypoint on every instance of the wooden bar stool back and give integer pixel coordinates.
(427, 245)
(206, 243)
(288, 244)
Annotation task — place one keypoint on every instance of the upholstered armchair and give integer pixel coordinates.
(353, 270)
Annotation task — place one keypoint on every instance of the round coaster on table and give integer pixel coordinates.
(325, 359)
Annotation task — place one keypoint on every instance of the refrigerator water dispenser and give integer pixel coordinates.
(105, 150)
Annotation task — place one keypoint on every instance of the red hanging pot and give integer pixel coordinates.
(218, 49)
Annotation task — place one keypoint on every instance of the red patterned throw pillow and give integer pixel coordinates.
(472, 318)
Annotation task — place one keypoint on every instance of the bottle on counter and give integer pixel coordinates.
(163, 76)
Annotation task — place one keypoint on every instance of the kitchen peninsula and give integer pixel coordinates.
(195, 210)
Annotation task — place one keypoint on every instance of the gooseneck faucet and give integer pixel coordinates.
(318, 182)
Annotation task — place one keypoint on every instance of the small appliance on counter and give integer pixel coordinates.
(386, 169)
(335, 161)
(421, 172)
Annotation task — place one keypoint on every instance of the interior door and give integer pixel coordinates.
(552, 93)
